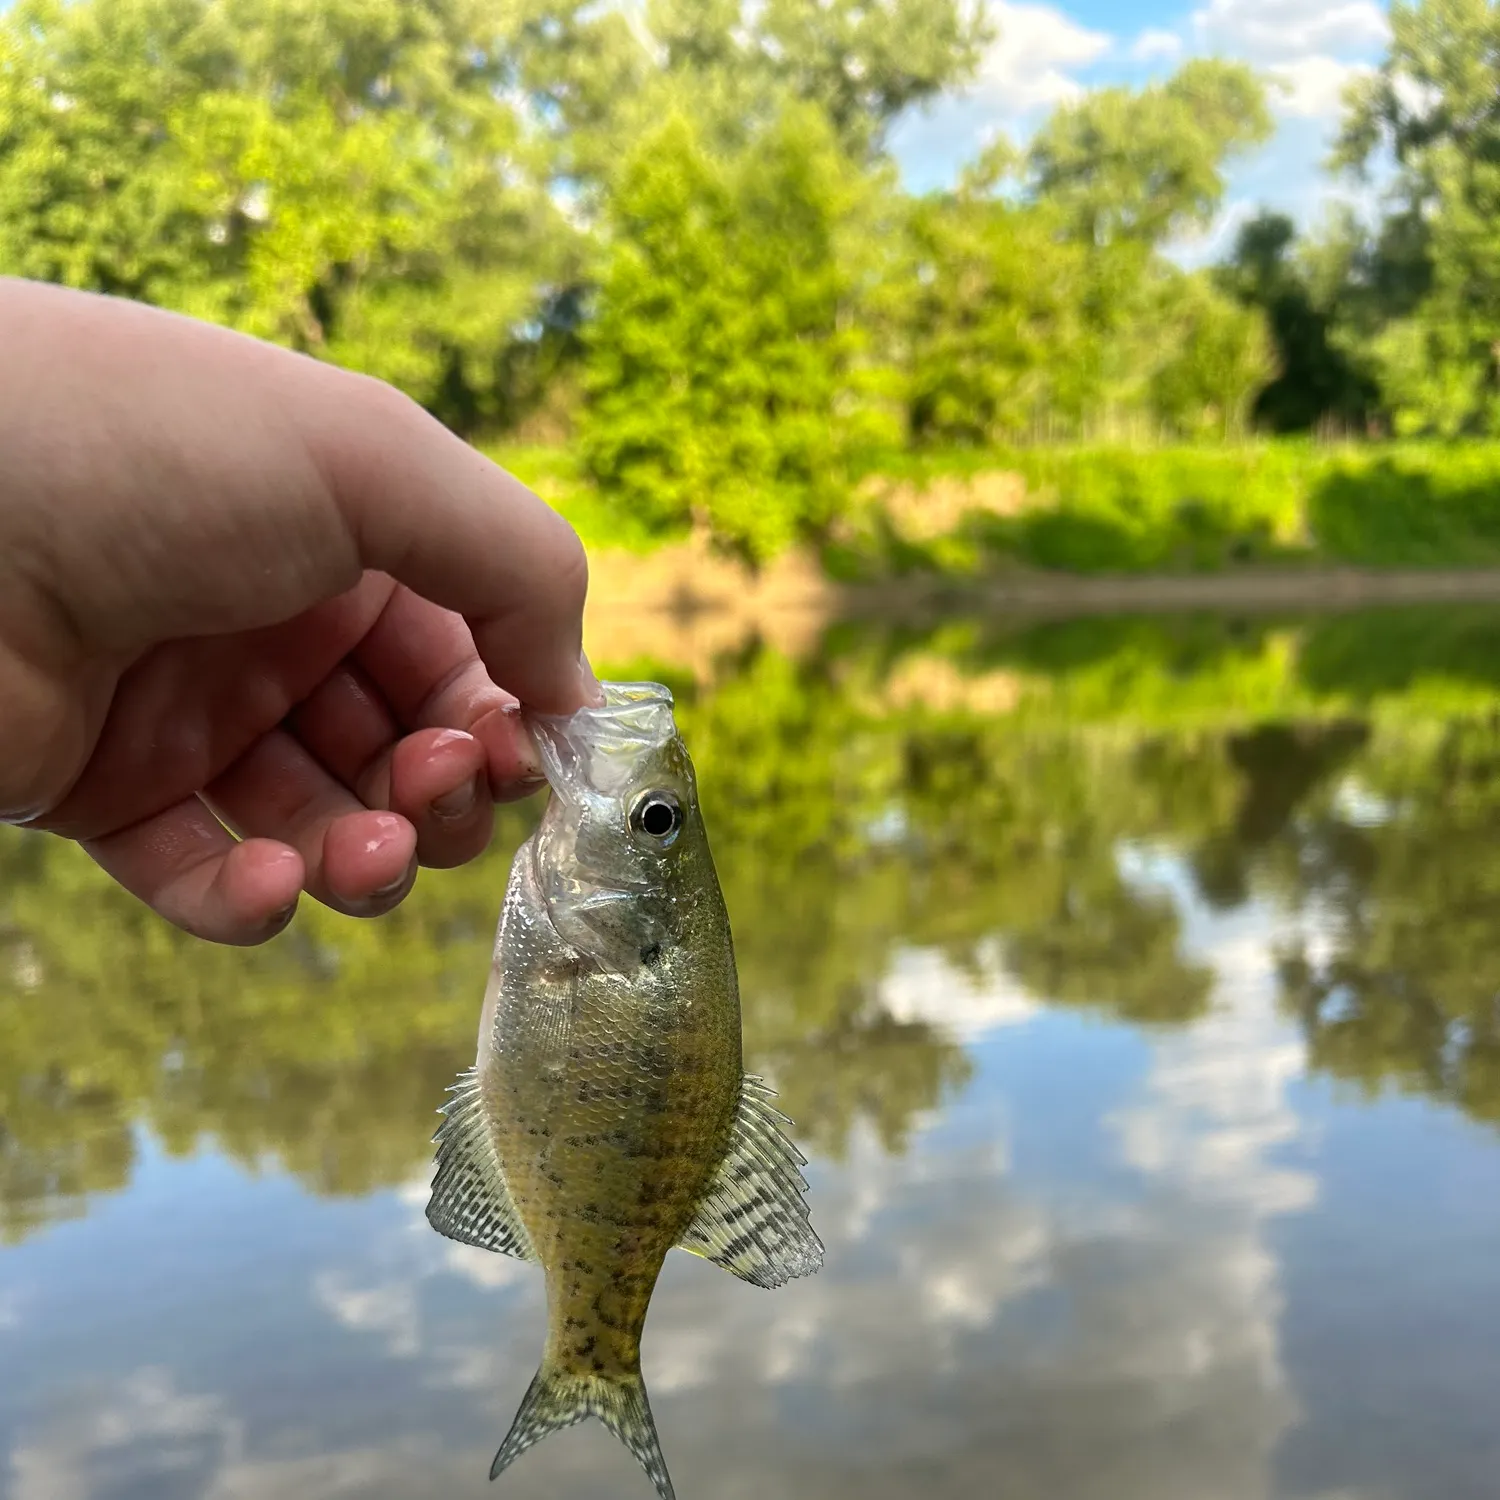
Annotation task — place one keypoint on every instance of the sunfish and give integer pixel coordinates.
(607, 1118)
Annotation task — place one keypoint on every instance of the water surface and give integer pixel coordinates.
(1133, 985)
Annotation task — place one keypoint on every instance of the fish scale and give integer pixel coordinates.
(607, 1118)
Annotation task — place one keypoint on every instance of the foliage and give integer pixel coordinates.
(422, 191)
(1431, 106)
(1132, 509)
(725, 372)
(1218, 356)
(1140, 166)
(1109, 508)
(859, 63)
(1041, 305)
(994, 320)
(342, 179)
(672, 236)
(1316, 381)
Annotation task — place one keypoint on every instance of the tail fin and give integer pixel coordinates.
(556, 1399)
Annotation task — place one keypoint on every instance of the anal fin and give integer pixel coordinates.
(470, 1202)
(753, 1220)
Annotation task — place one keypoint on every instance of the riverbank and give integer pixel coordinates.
(1026, 522)
(689, 605)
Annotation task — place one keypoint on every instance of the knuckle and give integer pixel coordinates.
(570, 575)
(382, 400)
(40, 754)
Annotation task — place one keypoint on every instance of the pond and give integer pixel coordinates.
(1134, 985)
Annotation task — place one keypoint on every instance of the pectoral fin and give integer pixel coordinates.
(470, 1202)
(753, 1220)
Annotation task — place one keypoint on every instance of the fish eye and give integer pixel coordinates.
(657, 815)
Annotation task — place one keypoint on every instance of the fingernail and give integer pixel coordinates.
(458, 803)
(528, 764)
(593, 694)
(452, 737)
(277, 920)
(518, 791)
(398, 884)
(390, 827)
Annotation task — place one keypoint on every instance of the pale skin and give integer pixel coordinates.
(264, 624)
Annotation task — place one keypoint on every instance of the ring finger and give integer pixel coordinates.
(358, 861)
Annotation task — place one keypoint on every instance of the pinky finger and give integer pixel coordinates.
(186, 866)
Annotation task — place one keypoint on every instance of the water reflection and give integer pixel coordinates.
(1043, 933)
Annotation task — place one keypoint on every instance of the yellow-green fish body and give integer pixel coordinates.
(607, 1118)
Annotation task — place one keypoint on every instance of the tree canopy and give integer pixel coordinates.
(675, 232)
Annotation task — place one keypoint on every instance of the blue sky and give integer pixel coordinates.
(1046, 54)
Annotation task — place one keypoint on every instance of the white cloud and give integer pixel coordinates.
(388, 1309)
(123, 1438)
(382, 1297)
(1028, 70)
(10, 1310)
(921, 985)
(1218, 1113)
(1414, 96)
(1269, 31)
(1312, 88)
(1154, 43)
(1032, 60)
(353, 1474)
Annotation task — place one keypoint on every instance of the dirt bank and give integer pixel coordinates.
(689, 605)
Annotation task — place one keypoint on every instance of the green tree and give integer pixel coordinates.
(1403, 997)
(994, 318)
(1042, 303)
(1218, 359)
(728, 376)
(864, 61)
(1126, 171)
(346, 178)
(1430, 106)
(1316, 381)
(1144, 165)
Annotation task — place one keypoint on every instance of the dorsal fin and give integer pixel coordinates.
(753, 1220)
(470, 1202)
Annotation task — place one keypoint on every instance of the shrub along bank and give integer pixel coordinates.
(1116, 509)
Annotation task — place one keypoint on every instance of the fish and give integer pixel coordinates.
(608, 1118)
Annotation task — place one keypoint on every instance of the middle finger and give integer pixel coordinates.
(436, 778)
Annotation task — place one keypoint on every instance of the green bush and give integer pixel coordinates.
(725, 375)
(1410, 505)
(1200, 509)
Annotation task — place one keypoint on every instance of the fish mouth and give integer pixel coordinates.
(598, 747)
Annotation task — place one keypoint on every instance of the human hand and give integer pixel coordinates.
(240, 587)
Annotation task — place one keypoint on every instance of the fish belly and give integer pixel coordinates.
(611, 1120)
